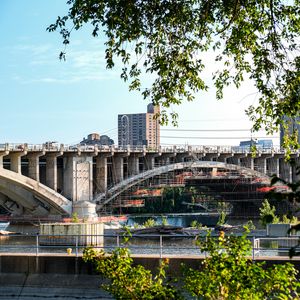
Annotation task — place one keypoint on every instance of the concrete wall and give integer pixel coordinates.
(63, 264)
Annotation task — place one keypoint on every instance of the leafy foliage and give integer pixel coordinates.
(196, 224)
(267, 213)
(128, 281)
(149, 223)
(164, 221)
(291, 194)
(222, 218)
(171, 39)
(75, 218)
(227, 273)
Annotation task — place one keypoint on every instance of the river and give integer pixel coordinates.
(175, 245)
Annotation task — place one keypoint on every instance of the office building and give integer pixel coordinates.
(139, 129)
(259, 144)
(292, 126)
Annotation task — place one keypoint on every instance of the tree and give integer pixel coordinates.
(267, 213)
(258, 39)
(128, 281)
(227, 273)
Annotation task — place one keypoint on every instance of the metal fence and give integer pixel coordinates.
(161, 245)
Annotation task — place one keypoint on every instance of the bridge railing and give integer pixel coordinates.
(54, 146)
(152, 244)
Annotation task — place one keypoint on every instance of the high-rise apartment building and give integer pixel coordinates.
(139, 129)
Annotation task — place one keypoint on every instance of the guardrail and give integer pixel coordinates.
(161, 245)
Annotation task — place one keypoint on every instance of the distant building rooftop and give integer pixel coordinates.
(97, 139)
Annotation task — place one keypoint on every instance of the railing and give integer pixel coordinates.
(159, 245)
(274, 246)
(51, 146)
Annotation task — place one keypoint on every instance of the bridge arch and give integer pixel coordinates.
(31, 194)
(104, 198)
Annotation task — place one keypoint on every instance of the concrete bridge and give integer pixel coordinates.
(51, 179)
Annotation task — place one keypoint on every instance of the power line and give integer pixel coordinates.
(212, 120)
(216, 138)
(206, 130)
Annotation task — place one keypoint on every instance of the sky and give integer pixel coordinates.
(45, 99)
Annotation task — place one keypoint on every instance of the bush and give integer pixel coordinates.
(228, 274)
(128, 281)
(149, 223)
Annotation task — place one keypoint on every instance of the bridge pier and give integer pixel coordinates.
(118, 166)
(34, 164)
(224, 156)
(2, 153)
(149, 161)
(101, 172)
(134, 163)
(260, 164)
(236, 158)
(247, 161)
(181, 156)
(296, 159)
(212, 156)
(51, 169)
(273, 166)
(78, 177)
(164, 158)
(15, 161)
(285, 170)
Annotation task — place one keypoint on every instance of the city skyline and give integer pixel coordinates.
(44, 99)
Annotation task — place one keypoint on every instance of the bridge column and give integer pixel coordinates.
(149, 162)
(182, 154)
(118, 166)
(273, 166)
(236, 158)
(101, 172)
(2, 153)
(15, 161)
(285, 170)
(165, 158)
(212, 156)
(78, 177)
(51, 169)
(296, 159)
(197, 154)
(133, 163)
(224, 156)
(247, 161)
(260, 164)
(34, 165)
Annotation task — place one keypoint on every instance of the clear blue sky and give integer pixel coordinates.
(42, 98)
